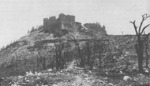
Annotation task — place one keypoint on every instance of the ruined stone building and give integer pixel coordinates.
(68, 23)
(96, 28)
(64, 22)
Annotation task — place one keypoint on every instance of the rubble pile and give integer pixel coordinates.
(72, 76)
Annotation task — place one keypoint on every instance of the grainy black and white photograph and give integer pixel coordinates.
(74, 42)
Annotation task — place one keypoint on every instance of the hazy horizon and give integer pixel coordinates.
(19, 16)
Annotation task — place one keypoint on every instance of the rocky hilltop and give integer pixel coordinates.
(21, 55)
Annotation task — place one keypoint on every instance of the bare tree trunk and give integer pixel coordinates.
(57, 60)
(38, 62)
(147, 58)
(58, 56)
(44, 63)
(140, 54)
(82, 58)
(89, 59)
(146, 51)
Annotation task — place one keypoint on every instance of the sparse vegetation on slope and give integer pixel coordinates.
(97, 59)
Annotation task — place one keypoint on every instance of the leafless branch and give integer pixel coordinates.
(144, 28)
(145, 16)
(135, 27)
(143, 19)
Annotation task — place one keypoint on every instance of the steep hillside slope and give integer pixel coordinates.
(24, 54)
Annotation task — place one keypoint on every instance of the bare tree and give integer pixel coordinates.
(140, 40)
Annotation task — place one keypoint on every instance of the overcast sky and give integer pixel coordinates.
(18, 16)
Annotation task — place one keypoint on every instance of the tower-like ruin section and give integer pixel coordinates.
(49, 23)
(63, 22)
(66, 21)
